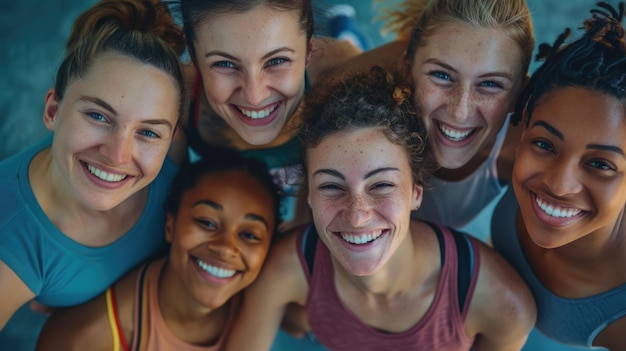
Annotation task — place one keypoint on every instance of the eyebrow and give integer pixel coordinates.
(218, 207)
(506, 75)
(549, 128)
(99, 102)
(335, 173)
(231, 57)
(106, 106)
(601, 147)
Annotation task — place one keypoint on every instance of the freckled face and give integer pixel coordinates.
(467, 80)
(570, 172)
(252, 67)
(112, 129)
(220, 236)
(361, 193)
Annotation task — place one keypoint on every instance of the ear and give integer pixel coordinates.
(416, 200)
(169, 227)
(51, 108)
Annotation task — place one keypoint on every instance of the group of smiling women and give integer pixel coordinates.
(282, 180)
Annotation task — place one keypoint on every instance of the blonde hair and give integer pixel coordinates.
(415, 20)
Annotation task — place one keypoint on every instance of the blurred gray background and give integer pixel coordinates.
(34, 35)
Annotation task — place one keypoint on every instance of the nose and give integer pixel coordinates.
(255, 88)
(461, 104)
(224, 244)
(358, 210)
(563, 178)
(118, 148)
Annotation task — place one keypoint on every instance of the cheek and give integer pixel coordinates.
(217, 87)
(151, 158)
(290, 84)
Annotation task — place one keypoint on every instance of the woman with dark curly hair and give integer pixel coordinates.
(371, 277)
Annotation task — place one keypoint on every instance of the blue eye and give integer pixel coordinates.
(276, 61)
(440, 74)
(225, 64)
(149, 134)
(490, 84)
(96, 116)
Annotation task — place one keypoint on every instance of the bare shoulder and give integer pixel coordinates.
(283, 268)
(13, 293)
(327, 53)
(87, 326)
(502, 311)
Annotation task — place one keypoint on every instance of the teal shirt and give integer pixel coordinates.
(58, 270)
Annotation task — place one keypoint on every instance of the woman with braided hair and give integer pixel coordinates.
(563, 223)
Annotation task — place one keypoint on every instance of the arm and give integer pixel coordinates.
(282, 281)
(327, 53)
(612, 337)
(389, 56)
(87, 326)
(84, 327)
(13, 293)
(502, 312)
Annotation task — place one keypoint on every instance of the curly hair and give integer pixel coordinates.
(375, 99)
(596, 61)
(416, 20)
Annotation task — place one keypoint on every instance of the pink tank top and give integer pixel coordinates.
(152, 333)
(442, 327)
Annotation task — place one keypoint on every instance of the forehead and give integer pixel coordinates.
(582, 114)
(234, 190)
(130, 86)
(472, 49)
(259, 28)
(357, 150)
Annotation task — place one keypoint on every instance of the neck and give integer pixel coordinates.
(72, 217)
(398, 275)
(185, 317)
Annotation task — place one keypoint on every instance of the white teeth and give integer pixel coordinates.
(556, 211)
(454, 135)
(361, 238)
(216, 271)
(107, 177)
(258, 114)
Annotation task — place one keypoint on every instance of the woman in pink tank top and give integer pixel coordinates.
(221, 216)
(379, 280)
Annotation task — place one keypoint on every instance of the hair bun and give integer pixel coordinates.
(145, 16)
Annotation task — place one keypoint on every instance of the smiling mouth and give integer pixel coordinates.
(215, 271)
(257, 114)
(556, 211)
(107, 177)
(453, 134)
(361, 238)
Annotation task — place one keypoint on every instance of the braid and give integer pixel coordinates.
(596, 61)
